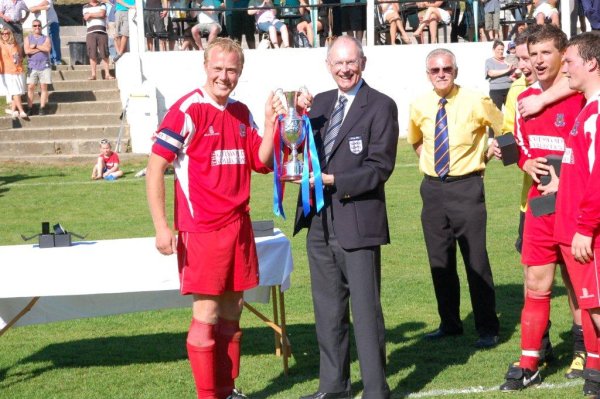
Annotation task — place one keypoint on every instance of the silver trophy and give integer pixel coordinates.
(292, 134)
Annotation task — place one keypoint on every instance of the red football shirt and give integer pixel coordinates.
(214, 149)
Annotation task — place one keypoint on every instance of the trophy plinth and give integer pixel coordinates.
(292, 135)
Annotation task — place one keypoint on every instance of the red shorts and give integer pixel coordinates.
(585, 278)
(218, 261)
(539, 246)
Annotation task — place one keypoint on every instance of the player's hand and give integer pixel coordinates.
(581, 248)
(536, 167)
(166, 242)
(530, 106)
(552, 186)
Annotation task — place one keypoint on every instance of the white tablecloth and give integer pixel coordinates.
(94, 278)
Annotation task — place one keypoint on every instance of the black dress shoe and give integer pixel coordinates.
(439, 333)
(486, 341)
(326, 395)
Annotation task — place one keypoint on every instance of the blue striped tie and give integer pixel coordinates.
(335, 123)
(441, 147)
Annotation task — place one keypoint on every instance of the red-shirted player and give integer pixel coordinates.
(578, 202)
(107, 165)
(214, 145)
(538, 137)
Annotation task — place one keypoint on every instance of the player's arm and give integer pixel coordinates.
(155, 193)
(534, 104)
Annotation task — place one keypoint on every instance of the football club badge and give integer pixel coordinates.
(356, 145)
(560, 120)
(242, 130)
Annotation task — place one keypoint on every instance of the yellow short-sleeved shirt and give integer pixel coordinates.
(469, 114)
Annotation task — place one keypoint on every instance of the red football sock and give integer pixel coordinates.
(590, 340)
(534, 319)
(228, 339)
(201, 352)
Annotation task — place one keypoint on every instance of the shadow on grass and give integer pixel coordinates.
(425, 359)
(6, 180)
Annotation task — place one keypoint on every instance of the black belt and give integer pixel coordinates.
(450, 179)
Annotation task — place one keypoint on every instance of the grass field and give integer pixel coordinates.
(142, 355)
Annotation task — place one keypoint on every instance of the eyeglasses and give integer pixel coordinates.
(436, 70)
(36, 26)
(338, 65)
(5, 33)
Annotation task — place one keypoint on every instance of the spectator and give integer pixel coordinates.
(305, 26)
(266, 20)
(391, 15)
(591, 9)
(434, 14)
(577, 15)
(11, 69)
(13, 13)
(53, 27)
(37, 48)
(354, 18)
(545, 9)
(107, 166)
(242, 24)
(111, 26)
(499, 72)
(154, 25)
(94, 15)
(122, 17)
(208, 22)
(491, 8)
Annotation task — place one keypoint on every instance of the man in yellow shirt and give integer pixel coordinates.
(448, 130)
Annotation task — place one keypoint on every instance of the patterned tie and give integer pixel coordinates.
(441, 147)
(335, 123)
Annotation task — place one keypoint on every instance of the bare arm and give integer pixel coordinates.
(44, 5)
(532, 105)
(155, 193)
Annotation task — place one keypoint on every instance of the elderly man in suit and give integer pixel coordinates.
(356, 133)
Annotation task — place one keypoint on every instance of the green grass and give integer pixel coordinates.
(142, 355)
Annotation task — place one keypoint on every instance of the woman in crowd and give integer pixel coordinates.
(499, 72)
(305, 25)
(11, 72)
(266, 20)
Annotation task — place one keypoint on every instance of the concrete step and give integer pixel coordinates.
(55, 147)
(34, 134)
(83, 107)
(83, 85)
(57, 120)
(87, 95)
(74, 67)
(77, 74)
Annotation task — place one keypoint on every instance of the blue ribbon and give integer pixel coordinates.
(310, 147)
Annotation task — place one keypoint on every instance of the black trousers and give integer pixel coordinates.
(338, 275)
(454, 212)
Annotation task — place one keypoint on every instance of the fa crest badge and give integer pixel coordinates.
(560, 120)
(356, 145)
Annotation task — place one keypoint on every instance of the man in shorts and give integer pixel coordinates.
(491, 9)
(578, 200)
(37, 48)
(214, 145)
(538, 138)
(208, 23)
(94, 15)
(154, 25)
(122, 19)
